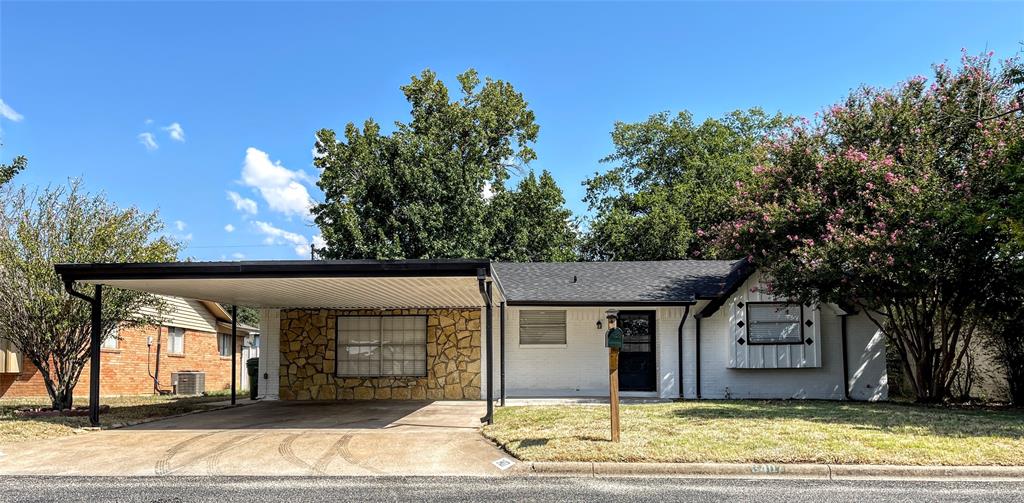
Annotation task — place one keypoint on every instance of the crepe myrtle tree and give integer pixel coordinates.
(63, 224)
(890, 201)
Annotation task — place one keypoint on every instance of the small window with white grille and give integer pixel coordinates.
(774, 323)
(111, 341)
(224, 344)
(175, 340)
(541, 327)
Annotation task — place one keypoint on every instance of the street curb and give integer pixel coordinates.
(770, 471)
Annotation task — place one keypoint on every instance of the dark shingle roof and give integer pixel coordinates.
(670, 281)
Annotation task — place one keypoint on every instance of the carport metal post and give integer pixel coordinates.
(96, 302)
(234, 344)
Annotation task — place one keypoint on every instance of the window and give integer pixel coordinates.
(176, 340)
(111, 341)
(224, 344)
(382, 345)
(541, 327)
(774, 323)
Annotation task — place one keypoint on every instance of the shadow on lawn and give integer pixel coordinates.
(889, 417)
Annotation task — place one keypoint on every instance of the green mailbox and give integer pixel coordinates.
(613, 338)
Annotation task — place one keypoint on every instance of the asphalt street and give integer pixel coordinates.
(485, 489)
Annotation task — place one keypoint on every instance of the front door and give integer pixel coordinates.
(637, 364)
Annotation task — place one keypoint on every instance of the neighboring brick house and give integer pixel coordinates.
(195, 335)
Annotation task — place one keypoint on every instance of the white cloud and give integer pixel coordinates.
(277, 236)
(229, 228)
(8, 113)
(175, 131)
(148, 121)
(238, 256)
(178, 224)
(243, 204)
(280, 187)
(487, 192)
(319, 242)
(148, 141)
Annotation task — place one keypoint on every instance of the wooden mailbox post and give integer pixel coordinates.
(613, 341)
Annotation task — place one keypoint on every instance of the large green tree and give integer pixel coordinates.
(673, 181)
(531, 223)
(418, 191)
(892, 202)
(65, 225)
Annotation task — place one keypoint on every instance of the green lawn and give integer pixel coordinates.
(122, 410)
(764, 432)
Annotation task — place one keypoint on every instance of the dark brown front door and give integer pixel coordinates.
(637, 363)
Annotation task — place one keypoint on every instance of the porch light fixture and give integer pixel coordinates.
(599, 325)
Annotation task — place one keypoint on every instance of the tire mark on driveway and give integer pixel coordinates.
(163, 465)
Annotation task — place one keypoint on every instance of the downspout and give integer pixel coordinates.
(96, 302)
(679, 344)
(156, 373)
(485, 292)
(501, 350)
(697, 355)
(846, 363)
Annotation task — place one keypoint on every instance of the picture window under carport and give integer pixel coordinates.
(372, 346)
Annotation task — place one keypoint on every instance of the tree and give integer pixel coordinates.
(66, 225)
(888, 203)
(8, 171)
(246, 315)
(674, 181)
(531, 224)
(418, 192)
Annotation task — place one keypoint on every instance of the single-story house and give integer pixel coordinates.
(431, 329)
(192, 336)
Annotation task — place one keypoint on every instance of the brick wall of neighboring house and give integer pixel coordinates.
(126, 370)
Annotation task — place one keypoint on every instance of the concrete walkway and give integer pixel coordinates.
(277, 438)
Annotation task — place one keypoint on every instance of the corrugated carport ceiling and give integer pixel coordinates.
(343, 293)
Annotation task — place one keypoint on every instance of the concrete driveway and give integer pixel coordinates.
(277, 438)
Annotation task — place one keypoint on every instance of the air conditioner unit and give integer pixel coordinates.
(188, 383)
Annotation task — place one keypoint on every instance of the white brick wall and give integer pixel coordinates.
(866, 347)
(580, 367)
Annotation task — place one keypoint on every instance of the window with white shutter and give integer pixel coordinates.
(541, 327)
(774, 323)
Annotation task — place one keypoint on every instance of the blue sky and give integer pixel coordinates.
(178, 106)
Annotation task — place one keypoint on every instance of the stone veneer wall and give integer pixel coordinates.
(308, 340)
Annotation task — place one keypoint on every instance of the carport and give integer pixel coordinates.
(404, 286)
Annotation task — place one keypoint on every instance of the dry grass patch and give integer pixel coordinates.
(765, 432)
(123, 409)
